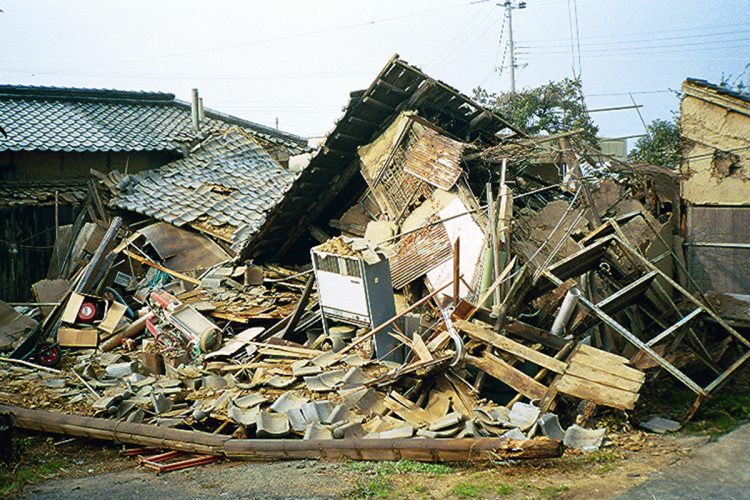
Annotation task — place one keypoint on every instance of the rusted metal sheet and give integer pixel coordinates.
(418, 253)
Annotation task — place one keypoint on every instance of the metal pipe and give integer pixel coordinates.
(194, 113)
(566, 311)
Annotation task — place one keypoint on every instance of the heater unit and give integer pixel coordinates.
(356, 292)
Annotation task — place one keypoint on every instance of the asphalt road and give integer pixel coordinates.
(295, 479)
(717, 470)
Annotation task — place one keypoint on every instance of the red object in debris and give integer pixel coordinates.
(87, 312)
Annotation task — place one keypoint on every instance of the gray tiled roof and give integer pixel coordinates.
(228, 183)
(73, 119)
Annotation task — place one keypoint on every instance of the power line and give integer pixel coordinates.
(578, 38)
(641, 39)
(447, 47)
(473, 41)
(640, 33)
(705, 45)
(272, 39)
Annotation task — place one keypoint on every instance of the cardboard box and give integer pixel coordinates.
(77, 337)
(113, 311)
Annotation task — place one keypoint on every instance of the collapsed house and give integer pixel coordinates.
(464, 284)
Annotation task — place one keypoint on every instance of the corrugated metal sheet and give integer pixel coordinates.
(418, 253)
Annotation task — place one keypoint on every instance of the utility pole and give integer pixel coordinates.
(509, 6)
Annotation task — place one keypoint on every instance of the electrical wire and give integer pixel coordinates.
(615, 50)
(267, 40)
(636, 34)
(639, 40)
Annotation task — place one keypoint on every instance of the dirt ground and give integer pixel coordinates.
(59, 468)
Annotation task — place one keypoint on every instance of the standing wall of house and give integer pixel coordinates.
(52, 165)
(715, 188)
(27, 234)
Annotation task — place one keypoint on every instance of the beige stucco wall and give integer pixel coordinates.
(709, 178)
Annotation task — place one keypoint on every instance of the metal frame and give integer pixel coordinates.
(646, 347)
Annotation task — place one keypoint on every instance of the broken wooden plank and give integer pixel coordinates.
(608, 366)
(503, 343)
(420, 349)
(600, 394)
(601, 377)
(502, 371)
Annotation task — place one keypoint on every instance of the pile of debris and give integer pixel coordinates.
(487, 292)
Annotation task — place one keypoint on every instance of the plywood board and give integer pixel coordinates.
(75, 337)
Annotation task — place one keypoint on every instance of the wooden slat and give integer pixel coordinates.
(502, 371)
(486, 335)
(600, 394)
(601, 377)
(599, 354)
(420, 349)
(605, 365)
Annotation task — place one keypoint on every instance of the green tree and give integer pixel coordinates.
(661, 147)
(551, 108)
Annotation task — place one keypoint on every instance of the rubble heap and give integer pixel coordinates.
(482, 287)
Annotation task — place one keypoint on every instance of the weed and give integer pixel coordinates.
(600, 457)
(482, 490)
(14, 480)
(553, 491)
(400, 467)
(376, 487)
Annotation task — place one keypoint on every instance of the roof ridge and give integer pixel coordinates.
(82, 93)
(242, 122)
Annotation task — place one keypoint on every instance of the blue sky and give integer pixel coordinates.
(298, 60)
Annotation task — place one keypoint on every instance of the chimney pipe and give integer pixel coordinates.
(201, 114)
(195, 113)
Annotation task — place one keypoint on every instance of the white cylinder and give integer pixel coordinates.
(566, 311)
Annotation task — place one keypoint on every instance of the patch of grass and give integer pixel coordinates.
(600, 457)
(553, 491)
(378, 486)
(400, 467)
(418, 491)
(13, 480)
(466, 490)
(721, 414)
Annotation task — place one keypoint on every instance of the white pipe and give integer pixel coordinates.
(566, 311)
(201, 114)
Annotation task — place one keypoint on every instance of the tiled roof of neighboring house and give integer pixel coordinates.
(74, 119)
(719, 89)
(224, 187)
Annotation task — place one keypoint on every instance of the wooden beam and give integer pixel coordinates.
(147, 262)
(426, 450)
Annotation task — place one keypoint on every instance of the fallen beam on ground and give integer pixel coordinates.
(426, 450)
